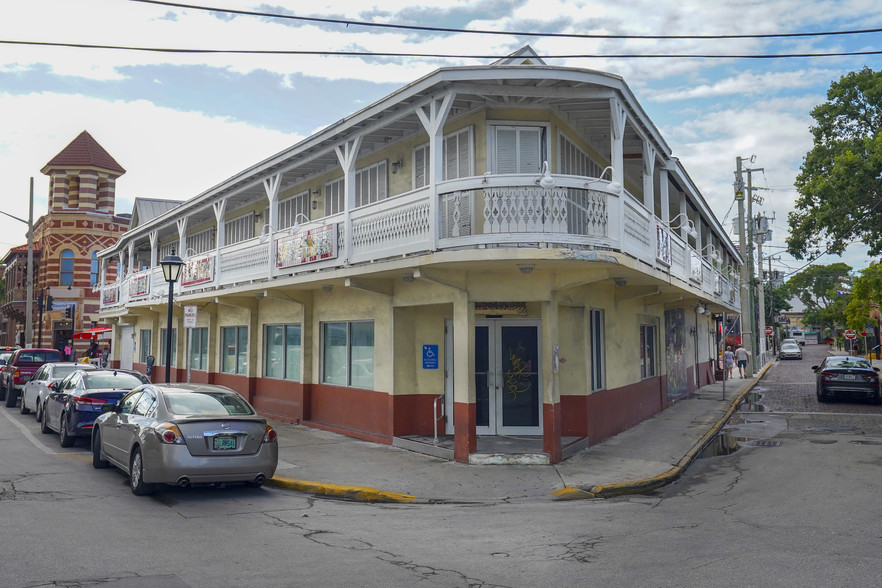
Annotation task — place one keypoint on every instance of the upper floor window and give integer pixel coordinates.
(517, 150)
(239, 229)
(93, 269)
(371, 184)
(334, 196)
(289, 208)
(458, 155)
(67, 267)
(421, 166)
(574, 161)
(200, 242)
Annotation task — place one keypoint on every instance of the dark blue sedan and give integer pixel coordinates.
(74, 403)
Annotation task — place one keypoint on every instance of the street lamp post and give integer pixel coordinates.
(171, 271)
(29, 302)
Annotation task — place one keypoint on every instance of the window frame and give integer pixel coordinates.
(350, 381)
(241, 365)
(648, 351)
(597, 343)
(199, 348)
(66, 267)
(162, 345)
(145, 343)
(288, 367)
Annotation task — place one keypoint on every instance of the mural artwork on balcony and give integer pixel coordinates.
(307, 247)
(662, 244)
(110, 296)
(197, 270)
(695, 264)
(139, 286)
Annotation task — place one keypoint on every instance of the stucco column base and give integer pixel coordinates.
(465, 437)
(551, 420)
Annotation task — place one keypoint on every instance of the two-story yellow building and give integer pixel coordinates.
(507, 250)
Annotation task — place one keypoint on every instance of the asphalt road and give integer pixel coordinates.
(795, 505)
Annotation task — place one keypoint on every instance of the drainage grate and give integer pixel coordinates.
(763, 443)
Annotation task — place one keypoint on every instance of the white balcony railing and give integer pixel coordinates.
(482, 211)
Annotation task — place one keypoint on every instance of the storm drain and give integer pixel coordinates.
(763, 443)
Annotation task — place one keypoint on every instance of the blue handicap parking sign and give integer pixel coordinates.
(430, 357)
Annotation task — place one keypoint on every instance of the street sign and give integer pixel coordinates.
(849, 334)
(769, 330)
(190, 311)
(863, 333)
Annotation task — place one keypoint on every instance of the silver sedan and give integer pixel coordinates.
(183, 434)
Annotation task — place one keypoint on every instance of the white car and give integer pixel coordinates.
(35, 391)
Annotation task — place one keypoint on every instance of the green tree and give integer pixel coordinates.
(840, 182)
(865, 296)
(818, 287)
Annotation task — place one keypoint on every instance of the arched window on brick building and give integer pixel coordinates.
(67, 267)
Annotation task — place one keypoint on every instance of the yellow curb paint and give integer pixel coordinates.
(77, 457)
(358, 493)
(572, 494)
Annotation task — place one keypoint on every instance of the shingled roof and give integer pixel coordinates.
(84, 151)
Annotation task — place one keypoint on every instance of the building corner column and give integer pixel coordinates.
(465, 439)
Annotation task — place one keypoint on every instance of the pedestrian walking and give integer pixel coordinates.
(741, 357)
(729, 360)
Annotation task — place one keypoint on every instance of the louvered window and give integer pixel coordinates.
(371, 184)
(574, 161)
(458, 155)
(334, 197)
(239, 229)
(518, 150)
(289, 208)
(421, 166)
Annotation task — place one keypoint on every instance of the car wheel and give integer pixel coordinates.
(44, 421)
(136, 475)
(38, 411)
(63, 437)
(878, 398)
(11, 397)
(23, 409)
(97, 462)
(2, 391)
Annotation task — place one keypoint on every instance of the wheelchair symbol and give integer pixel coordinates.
(429, 351)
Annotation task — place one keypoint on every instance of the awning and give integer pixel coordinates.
(93, 333)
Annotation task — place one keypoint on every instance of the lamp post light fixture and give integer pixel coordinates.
(171, 271)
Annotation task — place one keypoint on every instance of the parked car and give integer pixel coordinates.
(790, 351)
(37, 389)
(183, 434)
(72, 405)
(4, 357)
(19, 369)
(849, 376)
(785, 341)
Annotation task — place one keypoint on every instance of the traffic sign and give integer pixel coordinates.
(863, 333)
(769, 330)
(849, 334)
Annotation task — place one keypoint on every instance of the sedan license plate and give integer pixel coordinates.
(224, 443)
(848, 377)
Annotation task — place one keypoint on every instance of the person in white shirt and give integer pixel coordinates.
(741, 357)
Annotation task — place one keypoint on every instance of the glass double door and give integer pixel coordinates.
(507, 378)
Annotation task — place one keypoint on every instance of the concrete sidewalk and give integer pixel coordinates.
(646, 456)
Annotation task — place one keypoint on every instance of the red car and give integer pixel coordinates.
(19, 369)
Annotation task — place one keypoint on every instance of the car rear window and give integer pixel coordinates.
(119, 381)
(205, 404)
(38, 356)
(846, 361)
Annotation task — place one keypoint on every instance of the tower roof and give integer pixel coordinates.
(84, 151)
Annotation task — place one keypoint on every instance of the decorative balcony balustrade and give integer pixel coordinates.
(482, 211)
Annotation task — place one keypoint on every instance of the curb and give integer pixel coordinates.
(356, 493)
(647, 484)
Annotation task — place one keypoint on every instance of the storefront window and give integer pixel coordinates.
(234, 348)
(282, 352)
(348, 354)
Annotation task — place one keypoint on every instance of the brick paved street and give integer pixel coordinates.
(789, 386)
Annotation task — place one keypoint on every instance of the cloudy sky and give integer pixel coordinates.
(180, 123)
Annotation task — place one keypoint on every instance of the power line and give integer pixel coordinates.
(348, 22)
(431, 55)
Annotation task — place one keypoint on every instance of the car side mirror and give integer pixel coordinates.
(815, 368)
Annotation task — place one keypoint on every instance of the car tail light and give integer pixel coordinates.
(829, 375)
(89, 401)
(270, 435)
(169, 434)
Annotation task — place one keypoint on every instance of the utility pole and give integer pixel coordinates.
(746, 278)
(29, 303)
(761, 295)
